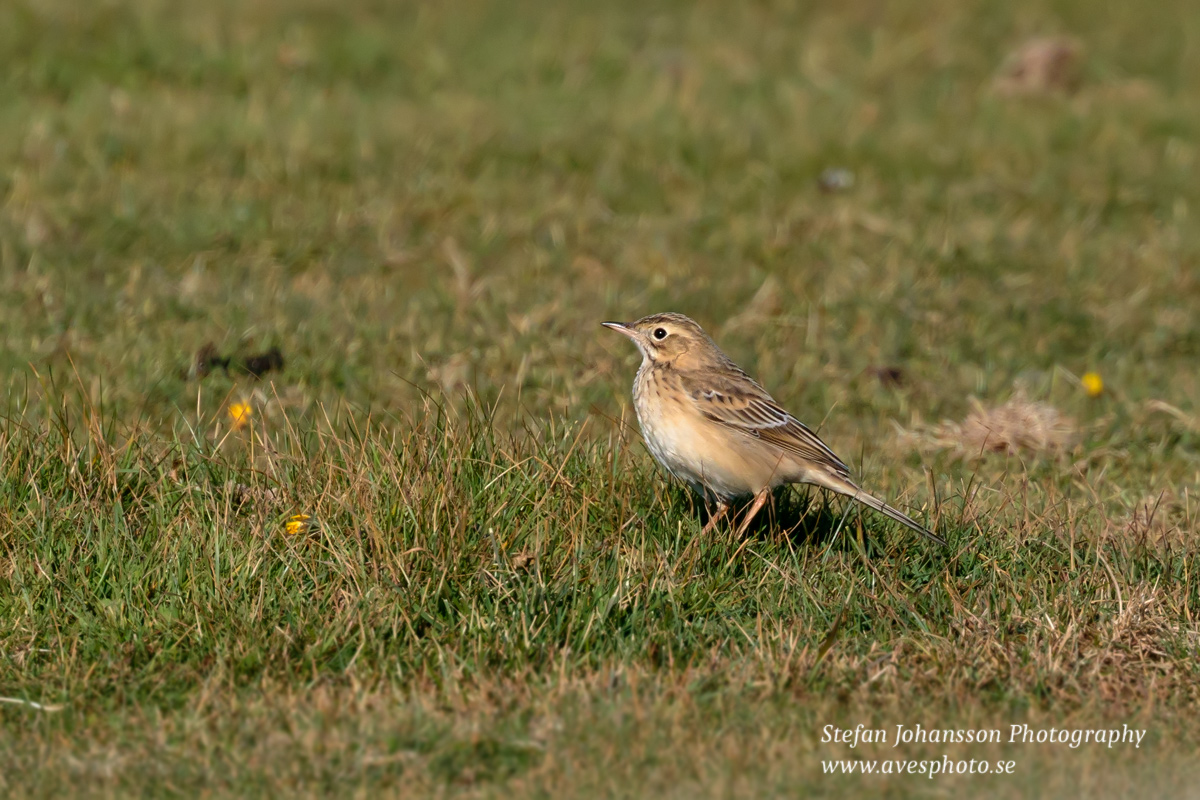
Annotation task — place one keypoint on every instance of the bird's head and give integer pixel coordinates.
(665, 337)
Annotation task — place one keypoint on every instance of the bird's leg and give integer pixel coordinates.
(755, 507)
(715, 517)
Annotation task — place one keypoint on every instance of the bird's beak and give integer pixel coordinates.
(621, 327)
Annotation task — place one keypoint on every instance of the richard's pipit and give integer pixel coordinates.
(711, 426)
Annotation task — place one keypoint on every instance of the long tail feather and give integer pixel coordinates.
(842, 486)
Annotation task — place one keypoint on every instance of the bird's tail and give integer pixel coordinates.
(843, 486)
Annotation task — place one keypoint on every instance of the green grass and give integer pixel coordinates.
(429, 210)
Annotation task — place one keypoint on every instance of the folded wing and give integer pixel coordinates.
(738, 402)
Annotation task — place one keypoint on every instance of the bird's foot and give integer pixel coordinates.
(716, 516)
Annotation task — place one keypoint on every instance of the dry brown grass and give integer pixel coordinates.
(1168, 516)
(1015, 427)
(1041, 66)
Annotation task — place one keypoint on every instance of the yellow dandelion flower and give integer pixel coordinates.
(298, 523)
(240, 414)
(1093, 384)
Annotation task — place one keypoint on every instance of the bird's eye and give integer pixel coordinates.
(660, 333)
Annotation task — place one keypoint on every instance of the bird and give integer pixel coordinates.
(713, 427)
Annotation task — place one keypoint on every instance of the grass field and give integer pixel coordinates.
(427, 210)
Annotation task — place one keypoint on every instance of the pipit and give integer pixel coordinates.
(711, 426)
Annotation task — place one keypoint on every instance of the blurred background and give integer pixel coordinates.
(407, 197)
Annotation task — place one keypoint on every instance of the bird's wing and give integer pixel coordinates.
(737, 402)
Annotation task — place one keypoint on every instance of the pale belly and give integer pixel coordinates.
(715, 461)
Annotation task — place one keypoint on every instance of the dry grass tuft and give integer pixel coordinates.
(1020, 425)
(1041, 66)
